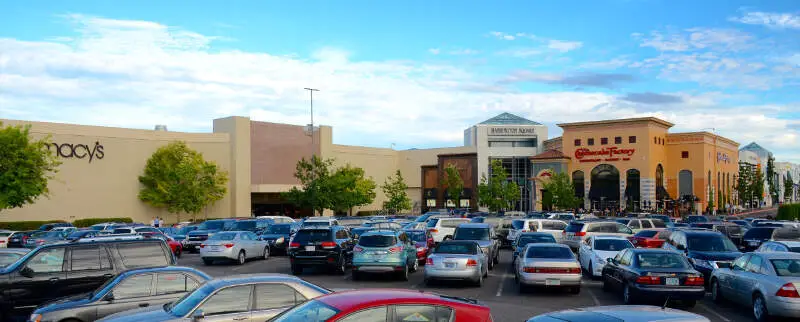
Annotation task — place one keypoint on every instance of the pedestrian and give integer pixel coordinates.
(160, 222)
(154, 222)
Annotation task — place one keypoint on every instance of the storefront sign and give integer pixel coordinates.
(611, 153)
(77, 151)
(512, 131)
(723, 158)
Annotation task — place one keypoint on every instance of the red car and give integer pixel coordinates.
(648, 238)
(175, 245)
(386, 305)
(423, 241)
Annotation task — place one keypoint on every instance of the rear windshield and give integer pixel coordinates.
(212, 225)
(549, 252)
(305, 236)
(759, 233)
(524, 240)
(646, 233)
(518, 224)
(786, 267)
(711, 243)
(658, 223)
(453, 223)
(457, 248)
(574, 227)
(661, 260)
(432, 222)
(787, 234)
(377, 241)
(472, 234)
(612, 244)
(730, 229)
(223, 236)
(417, 236)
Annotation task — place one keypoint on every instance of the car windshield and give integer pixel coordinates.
(312, 235)
(518, 224)
(212, 225)
(9, 258)
(222, 236)
(77, 234)
(661, 260)
(280, 229)
(185, 304)
(611, 244)
(471, 234)
(536, 239)
(646, 233)
(549, 252)
(377, 240)
(786, 267)
(711, 243)
(759, 233)
(574, 227)
(311, 311)
(417, 236)
(457, 248)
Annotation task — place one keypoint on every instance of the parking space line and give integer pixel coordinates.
(708, 309)
(502, 282)
(594, 298)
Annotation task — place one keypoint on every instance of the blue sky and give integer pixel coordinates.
(413, 73)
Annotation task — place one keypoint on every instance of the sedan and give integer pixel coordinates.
(523, 239)
(618, 313)
(596, 249)
(657, 274)
(548, 265)
(648, 238)
(767, 282)
(230, 299)
(457, 260)
(124, 292)
(44, 237)
(233, 245)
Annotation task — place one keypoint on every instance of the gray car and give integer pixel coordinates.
(484, 235)
(457, 260)
(548, 265)
(231, 299)
(767, 282)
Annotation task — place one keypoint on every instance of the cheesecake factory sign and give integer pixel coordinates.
(512, 131)
(77, 151)
(611, 153)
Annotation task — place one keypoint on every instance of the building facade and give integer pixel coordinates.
(785, 170)
(762, 155)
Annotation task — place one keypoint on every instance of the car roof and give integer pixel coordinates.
(547, 245)
(15, 250)
(652, 250)
(163, 269)
(700, 232)
(790, 243)
(534, 233)
(779, 255)
(355, 299)
(474, 225)
(252, 278)
(385, 232)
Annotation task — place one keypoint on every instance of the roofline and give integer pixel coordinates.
(706, 133)
(618, 121)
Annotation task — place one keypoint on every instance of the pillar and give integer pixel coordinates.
(238, 128)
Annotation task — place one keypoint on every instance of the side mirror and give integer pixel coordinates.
(611, 260)
(680, 247)
(108, 297)
(27, 272)
(198, 315)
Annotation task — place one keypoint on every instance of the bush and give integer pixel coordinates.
(789, 211)
(25, 225)
(86, 222)
(369, 213)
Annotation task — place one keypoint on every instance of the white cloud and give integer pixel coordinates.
(434, 51)
(774, 20)
(696, 38)
(564, 46)
(502, 35)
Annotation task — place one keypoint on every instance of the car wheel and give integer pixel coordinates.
(266, 253)
(297, 269)
(716, 294)
(497, 257)
(760, 312)
(416, 266)
(207, 261)
(404, 273)
(341, 269)
(491, 264)
(590, 271)
(486, 273)
(356, 275)
(479, 281)
(241, 258)
(522, 288)
(178, 253)
(627, 297)
(428, 281)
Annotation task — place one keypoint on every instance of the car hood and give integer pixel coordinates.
(65, 303)
(605, 254)
(714, 256)
(628, 313)
(274, 236)
(149, 314)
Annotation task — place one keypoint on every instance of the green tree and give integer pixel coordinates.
(497, 192)
(743, 184)
(396, 196)
(349, 187)
(710, 207)
(178, 179)
(788, 185)
(757, 187)
(314, 176)
(453, 183)
(26, 165)
(563, 191)
(772, 184)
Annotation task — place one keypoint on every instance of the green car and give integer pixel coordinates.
(384, 251)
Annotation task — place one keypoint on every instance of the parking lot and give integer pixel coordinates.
(499, 291)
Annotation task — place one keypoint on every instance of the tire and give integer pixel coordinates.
(416, 265)
(297, 269)
(356, 276)
(178, 253)
(716, 292)
(522, 288)
(491, 264)
(575, 290)
(606, 285)
(479, 281)
(208, 262)
(404, 273)
(590, 271)
(266, 253)
(497, 257)
(241, 258)
(428, 281)
(627, 297)
(486, 274)
(341, 268)
(760, 312)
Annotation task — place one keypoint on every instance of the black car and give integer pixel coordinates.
(706, 250)
(208, 227)
(132, 289)
(358, 231)
(50, 226)
(732, 230)
(57, 270)
(653, 274)
(321, 246)
(278, 236)
(757, 235)
(18, 239)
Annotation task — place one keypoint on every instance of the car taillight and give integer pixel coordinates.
(395, 249)
(472, 262)
(358, 249)
(580, 234)
(552, 270)
(429, 261)
(228, 245)
(694, 281)
(433, 230)
(328, 244)
(202, 245)
(294, 245)
(788, 290)
(648, 280)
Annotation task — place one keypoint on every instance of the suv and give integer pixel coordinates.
(205, 230)
(256, 226)
(577, 231)
(483, 234)
(443, 228)
(637, 225)
(732, 230)
(706, 250)
(755, 236)
(58, 270)
(384, 251)
(321, 246)
(50, 226)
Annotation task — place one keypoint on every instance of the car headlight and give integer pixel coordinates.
(35, 318)
(279, 240)
(703, 263)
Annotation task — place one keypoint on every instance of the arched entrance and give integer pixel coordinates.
(604, 192)
(686, 191)
(578, 183)
(633, 193)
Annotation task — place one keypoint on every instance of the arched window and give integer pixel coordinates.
(578, 182)
(659, 176)
(685, 183)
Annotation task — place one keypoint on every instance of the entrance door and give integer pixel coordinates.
(547, 200)
(604, 191)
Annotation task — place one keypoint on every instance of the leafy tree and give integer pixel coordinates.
(771, 184)
(178, 179)
(743, 184)
(452, 180)
(788, 185)
(710, 207)
(563, 191)
(395, 190)
(314, 175)
(350, 188)
(757, 186)
(497, 192)
(26, 165)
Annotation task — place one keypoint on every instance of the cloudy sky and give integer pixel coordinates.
(410, 73)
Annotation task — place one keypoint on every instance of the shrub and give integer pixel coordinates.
(369, 213)
(25, 225)
(789, 211)
(86, 222)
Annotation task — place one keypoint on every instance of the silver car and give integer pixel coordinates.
(626, 313)
(767, 282)
(230, 299)
(233, 245)
(548, 265)
(457, 260)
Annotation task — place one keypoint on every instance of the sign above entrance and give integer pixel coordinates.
(512, 131)
(611, 153)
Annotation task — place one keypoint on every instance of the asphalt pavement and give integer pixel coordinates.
(499, 291)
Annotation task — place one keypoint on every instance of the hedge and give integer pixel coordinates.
(25, 225)
(369, 213)
(86, 222)
(789, 211)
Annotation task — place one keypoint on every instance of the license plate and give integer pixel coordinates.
(213, 248)
(552, 282)
(672, 281)
(310, 248)
(449, 265)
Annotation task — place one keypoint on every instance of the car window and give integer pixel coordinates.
(553, 225)
(471, 234)
(243, 236)
(622, 229)
(378, 314)
(660, 260)
(740, 263)
(340, 234)
(549, 252)
(453, 223)
(711, 243)
(786, 267)
(142, 255)
(603, 244)
(48, 260)
(89, 258)
(754, 265)
(273, 296)
(658, 223)
(312, 235)
(634, 224)
(229, 300)
(646, 233)
(134, 286)
(532, 239)
(377, 241)
(626, 259)
(406, 313)
(170, 283)
(457, 248)
(646, 224)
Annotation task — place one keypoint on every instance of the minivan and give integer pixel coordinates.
(442, 228)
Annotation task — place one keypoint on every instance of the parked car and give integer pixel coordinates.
(523, 239)
(423, 241)
(548, 265)
(205, 230)
(233, 298)
(647, 238)
(594, 252)
(10, 255)
(384, 251)
(59, 270)
(278, 219)
(504, 228)
(554, 227)
(103, 226)
(5, 235)
(792, 246)
(565, 217)
(278, 236)
(483, 234)
(50, 226)
(619, 313)
(238, 246)
(329, 246)
(636, 224)
(706, 250)
(733, 231)
(755, 236)
(666, 219)
(44, 237)
(383, 225)
(76, 235)
(767, 282)
(175, 246)
(132, 289)
(386, 305)
(457, 260)
(431, 214)
(256, 226)
(577, 231)
(443, 228)
(18, 239)
(64, 230)
(320, 222)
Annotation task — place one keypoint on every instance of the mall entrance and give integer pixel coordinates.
(604, 191)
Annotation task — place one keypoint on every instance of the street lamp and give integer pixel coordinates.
(311, 133)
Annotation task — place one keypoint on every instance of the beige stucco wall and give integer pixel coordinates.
(108, 187)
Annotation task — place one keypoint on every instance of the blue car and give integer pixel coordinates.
(385, 252)
(705, 250)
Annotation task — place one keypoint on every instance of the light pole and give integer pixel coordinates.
(311, 132)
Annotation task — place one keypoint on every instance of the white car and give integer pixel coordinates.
(4, 236)
(553, 227)
(233, 245)
(278, 219)
(442, 228)
(321, 221)
(594, 251)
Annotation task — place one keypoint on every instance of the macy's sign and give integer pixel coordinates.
(77, 151)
